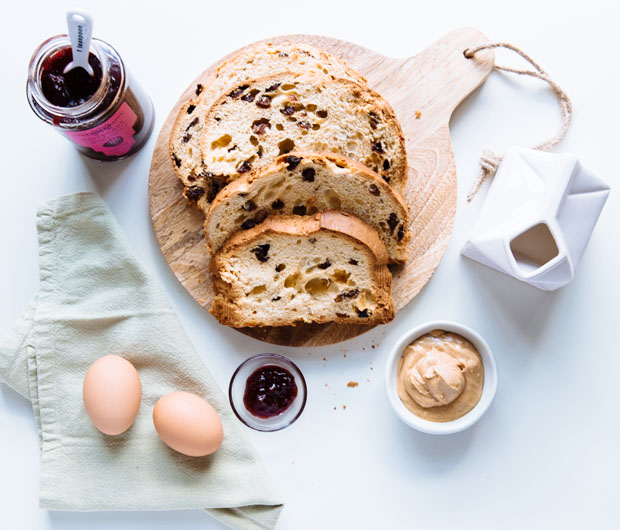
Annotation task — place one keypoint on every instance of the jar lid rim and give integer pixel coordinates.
(53, 45)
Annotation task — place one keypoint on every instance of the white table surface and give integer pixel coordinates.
(545, 455)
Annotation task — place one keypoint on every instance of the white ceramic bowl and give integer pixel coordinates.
(488, 389)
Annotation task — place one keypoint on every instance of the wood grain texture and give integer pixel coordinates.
(424, 90)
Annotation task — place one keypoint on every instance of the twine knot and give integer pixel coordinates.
(489, 161)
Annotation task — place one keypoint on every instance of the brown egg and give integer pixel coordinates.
(111, 394)
(188, 424)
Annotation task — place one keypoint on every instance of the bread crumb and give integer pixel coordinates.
(418, 114)
(334, 408)
(352, 384)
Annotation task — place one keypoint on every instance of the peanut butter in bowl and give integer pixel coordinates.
(440, 376)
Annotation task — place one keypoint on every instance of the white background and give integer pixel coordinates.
(546, 455)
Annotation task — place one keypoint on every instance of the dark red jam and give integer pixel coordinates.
(107, 116)
(72, 88)
(269, 391)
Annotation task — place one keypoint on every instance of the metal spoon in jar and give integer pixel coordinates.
(80, 26)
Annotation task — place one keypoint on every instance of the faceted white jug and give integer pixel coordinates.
(537, 218)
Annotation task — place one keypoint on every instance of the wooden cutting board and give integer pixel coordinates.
(424, 90)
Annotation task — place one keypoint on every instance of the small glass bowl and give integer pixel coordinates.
(237, 389)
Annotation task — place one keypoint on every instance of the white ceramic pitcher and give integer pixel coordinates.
(537, 218)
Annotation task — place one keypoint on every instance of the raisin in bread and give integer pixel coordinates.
(256, 61)
(252, 125)
(306, 183)
(329, 267)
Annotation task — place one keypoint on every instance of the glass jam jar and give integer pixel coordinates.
(108, 116)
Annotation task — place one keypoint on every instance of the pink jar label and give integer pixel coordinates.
(114, 137)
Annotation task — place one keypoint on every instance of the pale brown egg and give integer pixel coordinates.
(188, 424)
(112, 393)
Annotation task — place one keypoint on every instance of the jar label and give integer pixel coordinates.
(114, 137)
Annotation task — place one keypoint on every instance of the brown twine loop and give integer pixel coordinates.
(490, 161)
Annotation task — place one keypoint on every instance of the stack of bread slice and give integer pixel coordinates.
(299, 168)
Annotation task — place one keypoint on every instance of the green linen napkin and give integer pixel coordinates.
(95, 299)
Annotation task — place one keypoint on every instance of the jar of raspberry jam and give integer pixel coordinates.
(108, 116)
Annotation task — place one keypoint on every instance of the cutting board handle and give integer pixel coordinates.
(440, 70)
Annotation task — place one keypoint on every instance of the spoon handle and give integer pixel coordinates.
(80, 26)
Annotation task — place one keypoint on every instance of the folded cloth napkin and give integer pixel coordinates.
(95, 299)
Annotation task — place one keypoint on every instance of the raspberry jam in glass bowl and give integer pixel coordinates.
(267, 392)
(108, 116)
